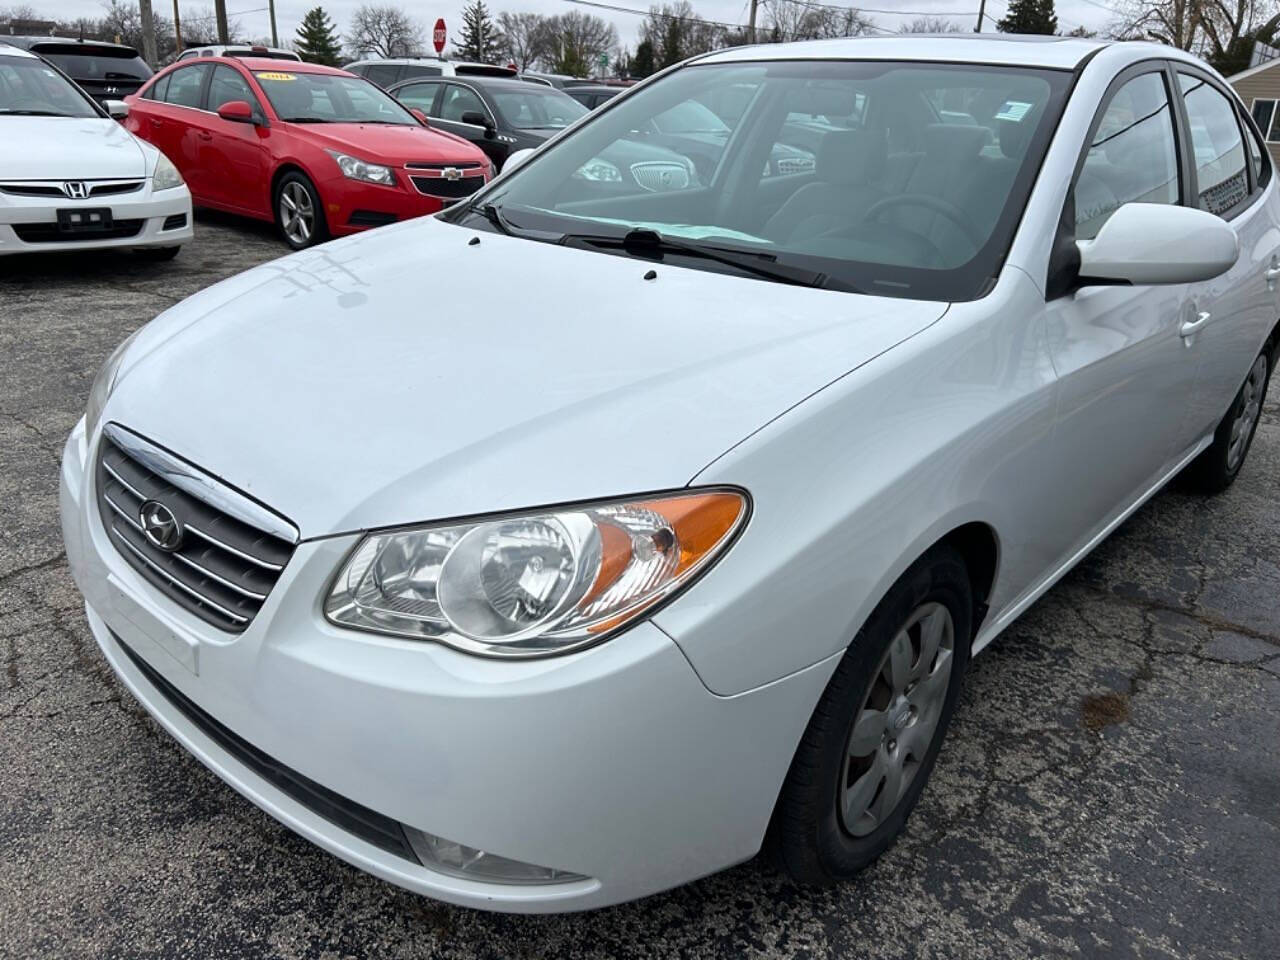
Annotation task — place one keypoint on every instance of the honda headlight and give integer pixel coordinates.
(104, 383)
(600, 170)
(356, 169)
(166, 175)
(536, 583)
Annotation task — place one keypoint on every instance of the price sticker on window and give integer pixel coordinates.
(278, 76)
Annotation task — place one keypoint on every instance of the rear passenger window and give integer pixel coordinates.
(383, 74)
(413, 70)
(419, 95)
(157, 90)
(1218, 147)
(1133, 157)
(185, 84)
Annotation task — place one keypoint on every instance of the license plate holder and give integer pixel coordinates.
(84, 220)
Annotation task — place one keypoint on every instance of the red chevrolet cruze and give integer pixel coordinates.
(319, 151)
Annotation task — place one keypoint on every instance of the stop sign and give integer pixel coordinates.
(438, 35)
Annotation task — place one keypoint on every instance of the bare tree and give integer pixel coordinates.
(802, 20)
(931, 25)
(1172, 22)
(200, 27)
(528, 35)
(674, 31)
(19, 11)
(383, 31)
(576, 41)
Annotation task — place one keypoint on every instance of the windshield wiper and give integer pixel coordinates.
(643, 240)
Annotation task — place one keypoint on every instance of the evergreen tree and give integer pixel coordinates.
(642, 64)
(1029, 16)
(317, 40)
(482, 41)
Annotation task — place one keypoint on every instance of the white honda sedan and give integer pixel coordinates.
(72, 178)
(679, 547)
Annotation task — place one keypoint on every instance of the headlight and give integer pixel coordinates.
(537, 583)
(166, 175)
(599, 170)
(104, 383)
(357, 169)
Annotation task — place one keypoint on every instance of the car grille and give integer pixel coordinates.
(660, 175)
(55, 189)
(220, 567)
(449, 189)
(49, 232)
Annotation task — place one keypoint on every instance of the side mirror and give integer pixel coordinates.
(515, 159)
(420, 116)
(1146, 243)
(237, 111)
(478, 119)
(116, 109)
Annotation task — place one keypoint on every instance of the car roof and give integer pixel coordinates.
(1063, 53)
(500, 83)
(30, 41)
(275, 63)
(593, 88)
(8, 50)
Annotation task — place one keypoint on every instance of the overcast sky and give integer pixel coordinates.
(252, 14)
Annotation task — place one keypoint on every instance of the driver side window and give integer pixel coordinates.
(1133, 156)
(458, 100)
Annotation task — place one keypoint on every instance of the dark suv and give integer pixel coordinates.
(105, 71)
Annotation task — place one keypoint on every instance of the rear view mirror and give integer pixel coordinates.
(116, 109)
(1145, 243)
(476, 119)
(515, 159)
(237, 111)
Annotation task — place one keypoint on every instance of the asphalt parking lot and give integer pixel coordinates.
(1110, 788)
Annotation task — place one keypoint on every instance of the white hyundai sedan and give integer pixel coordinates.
(72, 178)
(680, 546)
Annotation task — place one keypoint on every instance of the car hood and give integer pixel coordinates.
(408, 375)
(391, 143)
(68, 148)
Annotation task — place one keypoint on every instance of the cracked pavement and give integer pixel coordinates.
(1110, 786)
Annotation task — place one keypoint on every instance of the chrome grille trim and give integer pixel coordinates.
(220, 568)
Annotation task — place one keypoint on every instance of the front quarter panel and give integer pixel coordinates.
(850, 487)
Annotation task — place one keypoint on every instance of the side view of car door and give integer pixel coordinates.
(1231, 175)
(166, 120)
(1126, 375)
(231, 157)
(461, 111)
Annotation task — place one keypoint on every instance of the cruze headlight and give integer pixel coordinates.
(357, 169)
(598, 169)
(104, 383)
(536, 583)
(166, 175)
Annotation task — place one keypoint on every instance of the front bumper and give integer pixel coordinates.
(349, 204)
(150, 207)
(615, 763)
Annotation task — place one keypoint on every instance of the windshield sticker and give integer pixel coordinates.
(1013, 110)
(278, 76)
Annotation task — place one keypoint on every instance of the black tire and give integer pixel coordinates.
(1217, 468)
(158, 254)
(291, 182)
(808, 838)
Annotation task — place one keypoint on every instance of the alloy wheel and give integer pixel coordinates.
(297, 213)
(895, 726)
(1247, 415)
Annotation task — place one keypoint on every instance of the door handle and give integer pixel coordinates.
(205, 135)
(1190, 328)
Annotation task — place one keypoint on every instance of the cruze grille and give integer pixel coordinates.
(464, 186)
(196, 540)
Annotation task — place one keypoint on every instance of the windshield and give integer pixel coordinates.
(537, 108)
(329, 98)
(86, 62)
(32, 88)
(894, 178)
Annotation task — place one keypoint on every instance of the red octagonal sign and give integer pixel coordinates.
(438, 35)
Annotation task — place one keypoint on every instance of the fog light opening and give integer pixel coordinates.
(459, 860)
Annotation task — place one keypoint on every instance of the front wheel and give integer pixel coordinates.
(875, 734)
(1219, 465)
(299, 215)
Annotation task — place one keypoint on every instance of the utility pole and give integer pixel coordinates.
(148, 34)
(751, 23)
(275, 40)
(220, 10)
(982, 9)
(177, 26)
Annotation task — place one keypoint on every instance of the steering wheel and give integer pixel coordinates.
(949, 210)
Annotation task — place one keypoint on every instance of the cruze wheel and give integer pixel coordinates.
(298, 212)
(876, 732)
(1217, 468)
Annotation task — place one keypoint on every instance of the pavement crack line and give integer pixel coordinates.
(45, 564)
(1206, 620)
